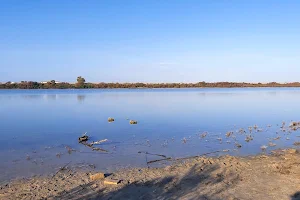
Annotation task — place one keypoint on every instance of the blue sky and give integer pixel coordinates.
(150, 41)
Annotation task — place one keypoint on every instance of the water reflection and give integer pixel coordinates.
(50, 96)
(29, 96)
(272, 93)
(80, 98)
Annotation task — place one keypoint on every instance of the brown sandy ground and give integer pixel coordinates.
(275, 176)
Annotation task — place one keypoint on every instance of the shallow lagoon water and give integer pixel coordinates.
(36, 125)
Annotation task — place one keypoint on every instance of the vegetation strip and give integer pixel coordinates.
(82, 84)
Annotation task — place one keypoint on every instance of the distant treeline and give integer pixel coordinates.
(81, 84)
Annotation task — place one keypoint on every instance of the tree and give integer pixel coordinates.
(80, 81)
(51, 84)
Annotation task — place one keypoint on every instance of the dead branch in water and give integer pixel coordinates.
(99, 149)
(69, 149)
(153, 161)
(93, 148)
(99, 142)
(153, 154)
(190, 157)
(83, 140)
(177, 159)
(92, 152)
(86, 144)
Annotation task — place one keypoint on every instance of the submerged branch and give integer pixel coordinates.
(153, 154)
(154, 161)
(190, 157)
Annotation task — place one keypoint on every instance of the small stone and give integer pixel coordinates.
(110, 119)
(112, 182)
(97, 176)
(291, 151)
(83, 138)
(271, 144)
(132, 122)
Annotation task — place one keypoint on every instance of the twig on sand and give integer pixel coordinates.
(153, 154)
(62, 168)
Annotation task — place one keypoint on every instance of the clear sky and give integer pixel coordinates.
(150, 40)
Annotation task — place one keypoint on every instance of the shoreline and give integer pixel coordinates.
(274, 176)
(152, 88)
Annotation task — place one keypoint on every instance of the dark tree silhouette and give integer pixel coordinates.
(80, 82)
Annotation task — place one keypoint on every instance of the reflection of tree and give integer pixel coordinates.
(31, 96)
(80, 97)
(273, 93)
(51, 96)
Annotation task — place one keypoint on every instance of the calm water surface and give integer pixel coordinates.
(36, 125)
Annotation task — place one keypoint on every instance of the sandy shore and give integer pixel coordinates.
(275, 176)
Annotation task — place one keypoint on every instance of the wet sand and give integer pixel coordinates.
(275, 176)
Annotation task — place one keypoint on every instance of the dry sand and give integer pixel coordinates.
(275, 176)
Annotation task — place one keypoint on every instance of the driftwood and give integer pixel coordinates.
(111, 182)
(99, 142)
(83, 140)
